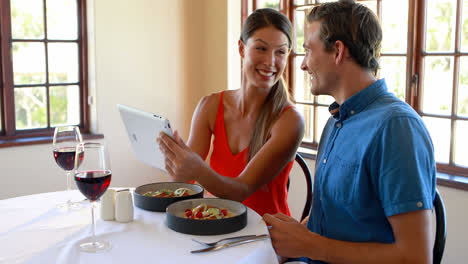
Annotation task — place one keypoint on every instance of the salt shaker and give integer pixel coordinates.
(123, 206)
(108, 205)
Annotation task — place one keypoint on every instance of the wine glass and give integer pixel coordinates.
(64, 146)
(92, 176)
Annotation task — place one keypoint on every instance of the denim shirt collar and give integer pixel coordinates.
(359, 101)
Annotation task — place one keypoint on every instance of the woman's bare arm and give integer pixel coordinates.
(184, 164)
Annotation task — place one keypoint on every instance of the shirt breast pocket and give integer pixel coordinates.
(341, 180)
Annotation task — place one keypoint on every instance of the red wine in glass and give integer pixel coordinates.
(65, 157)
(92, 184)
(92, 178)
(63, 147)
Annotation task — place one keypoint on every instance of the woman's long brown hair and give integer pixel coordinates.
(278, 97)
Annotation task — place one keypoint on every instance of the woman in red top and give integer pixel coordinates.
(256, 130)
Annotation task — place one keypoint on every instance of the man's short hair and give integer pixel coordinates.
(353, 24)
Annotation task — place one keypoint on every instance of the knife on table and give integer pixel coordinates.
(231, 244)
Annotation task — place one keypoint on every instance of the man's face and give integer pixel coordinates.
(319, 63)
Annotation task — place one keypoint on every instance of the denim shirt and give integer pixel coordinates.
(375, 160)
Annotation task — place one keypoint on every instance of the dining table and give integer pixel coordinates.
(34, 230)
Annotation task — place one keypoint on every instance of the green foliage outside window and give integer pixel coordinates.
(31, 102)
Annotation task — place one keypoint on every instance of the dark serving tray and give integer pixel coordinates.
(176, 221)
(159, 204)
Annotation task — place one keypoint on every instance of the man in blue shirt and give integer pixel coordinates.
(375, 169)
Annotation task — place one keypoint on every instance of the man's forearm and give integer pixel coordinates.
(335, 251)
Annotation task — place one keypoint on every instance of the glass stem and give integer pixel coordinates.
(93, 223)
(69, 186)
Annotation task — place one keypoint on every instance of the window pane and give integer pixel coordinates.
(325, 99)
(63, 62)
(437, 85)
(27, 19)
(439, 129)
(322, 117)
(440, 25)
(306, 2)
(307, 112)
(299, 25)
(62, 19)
(64, 105)
(462, 107)
(28, 63)
(302, 83)
(393, 69)
(30, 108)
(394, 21)
(275, 4)
(461, 143)
(464, 27)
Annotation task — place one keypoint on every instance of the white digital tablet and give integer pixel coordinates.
(143, 128)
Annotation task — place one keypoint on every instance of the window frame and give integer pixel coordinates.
(417, 90)
(9, 136)
(450, 174)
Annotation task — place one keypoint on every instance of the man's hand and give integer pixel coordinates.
(289, 237)
(412, 232)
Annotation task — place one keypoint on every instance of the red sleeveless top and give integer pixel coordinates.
(271, 198)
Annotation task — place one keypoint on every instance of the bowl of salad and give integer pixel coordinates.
(157, 196)
(206, 216)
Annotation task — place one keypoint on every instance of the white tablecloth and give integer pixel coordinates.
(33, 230)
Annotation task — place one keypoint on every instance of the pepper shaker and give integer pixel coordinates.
(108, 205)
(123, 206)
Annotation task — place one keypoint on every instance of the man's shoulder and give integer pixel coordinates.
(389, 106)
(388, 111)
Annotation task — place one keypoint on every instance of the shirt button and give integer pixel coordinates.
(419, 204)
(352, 112)
(324, 161)
(338, 124)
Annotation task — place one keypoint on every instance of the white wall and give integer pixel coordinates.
(233, 34)
(456, 202)
(206, 59)
(160, 56)
(139, 49)
(298, 188)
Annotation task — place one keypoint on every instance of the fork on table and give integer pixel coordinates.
(210, 244)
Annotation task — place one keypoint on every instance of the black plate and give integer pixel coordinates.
(175, 217)
(159, 204)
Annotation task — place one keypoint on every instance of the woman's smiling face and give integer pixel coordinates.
(265, 56)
